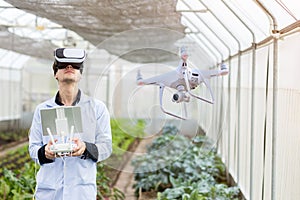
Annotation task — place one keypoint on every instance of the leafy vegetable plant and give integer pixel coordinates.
(179, 168)
(18, 170)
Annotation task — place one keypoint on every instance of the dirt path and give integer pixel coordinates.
(12, 147)
(126, 177)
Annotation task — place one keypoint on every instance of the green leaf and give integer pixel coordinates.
(4, 189)
(194, 195)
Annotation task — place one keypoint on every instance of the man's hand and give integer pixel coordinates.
(48, 153)
(80, 148)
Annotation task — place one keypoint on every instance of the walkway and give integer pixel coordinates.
(13, 146)
(126, 178)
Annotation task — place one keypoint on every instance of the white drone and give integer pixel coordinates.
(183, 79)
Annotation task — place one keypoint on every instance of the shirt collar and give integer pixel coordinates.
(58, 99)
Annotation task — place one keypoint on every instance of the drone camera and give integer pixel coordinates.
(176, 97)
(179, 97)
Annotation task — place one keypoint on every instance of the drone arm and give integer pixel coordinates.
(211, 101)
(216, 72)
(161, 91)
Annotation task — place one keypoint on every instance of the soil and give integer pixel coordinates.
(114, 173)
(7, 147)
(125, 180)
(148, 196)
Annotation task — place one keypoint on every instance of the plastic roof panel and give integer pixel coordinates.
(221, 28)
(11, 59)
(97, 21)
(282, 11)
(252, 16)
(230, 26)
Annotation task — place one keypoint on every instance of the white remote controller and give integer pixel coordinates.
(62, 148)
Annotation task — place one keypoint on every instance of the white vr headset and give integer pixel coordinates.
(67, 55)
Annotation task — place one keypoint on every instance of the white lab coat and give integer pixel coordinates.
(72, 178)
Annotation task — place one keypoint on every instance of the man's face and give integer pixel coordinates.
(68, 74)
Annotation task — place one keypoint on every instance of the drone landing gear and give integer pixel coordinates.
(161, 91)
(211, 101)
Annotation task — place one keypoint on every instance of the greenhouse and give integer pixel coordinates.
(201, 99)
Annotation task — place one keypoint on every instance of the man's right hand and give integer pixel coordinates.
(48, 153)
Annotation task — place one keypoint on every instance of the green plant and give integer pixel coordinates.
(15, 159)
(19, 184)
(123, 138)
(103, 184)
(178, 168)
(18, 171)
(10, 136)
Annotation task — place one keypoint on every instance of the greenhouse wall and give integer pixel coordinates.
(228, 122)
(11, 97)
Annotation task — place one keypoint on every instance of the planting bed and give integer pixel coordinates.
(173, 167)
(18, 170)
(176, 167)
(11, 138)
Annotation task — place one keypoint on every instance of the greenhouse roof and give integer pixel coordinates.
(221, 28)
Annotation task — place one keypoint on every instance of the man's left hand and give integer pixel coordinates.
(80, 147)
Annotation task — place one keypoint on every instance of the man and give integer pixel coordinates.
(72, 176)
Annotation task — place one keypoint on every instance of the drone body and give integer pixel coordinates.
(184, 79)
